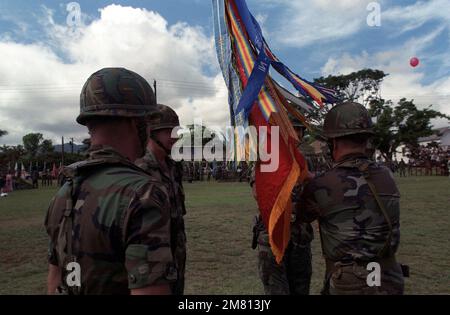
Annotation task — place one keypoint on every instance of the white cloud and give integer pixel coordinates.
(40, 91)
(20, 29)
(403, 80)
(417, 14)
(304, 23)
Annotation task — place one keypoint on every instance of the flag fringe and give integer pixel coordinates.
(283, 206)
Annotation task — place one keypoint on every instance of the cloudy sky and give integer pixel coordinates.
(46, 57)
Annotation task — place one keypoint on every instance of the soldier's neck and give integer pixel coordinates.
(159, 154)
(122, 136)
(124, 147)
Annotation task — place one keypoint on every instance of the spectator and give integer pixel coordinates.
(2, 182)
(34, 178)
(8, 187)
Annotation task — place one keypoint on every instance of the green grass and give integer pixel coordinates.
(219, 221)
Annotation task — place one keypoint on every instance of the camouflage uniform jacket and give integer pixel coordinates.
(173, 183)
(121, 225)
(352, 226)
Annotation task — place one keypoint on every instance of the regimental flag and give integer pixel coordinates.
(23, 172)
(255, 99)
(54, 171)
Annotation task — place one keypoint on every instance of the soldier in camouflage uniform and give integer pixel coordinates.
(158, 163)
(293, 275)
(357, 206)
(110, 217)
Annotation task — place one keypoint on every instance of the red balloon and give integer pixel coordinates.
(414, 61)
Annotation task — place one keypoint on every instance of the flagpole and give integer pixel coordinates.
(62, 150)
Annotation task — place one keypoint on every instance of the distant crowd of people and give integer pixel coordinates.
(205, 171)
(435, 156)
(192, 171)
(228, 171)
(423, 160)
(45, 176)
(10, 181)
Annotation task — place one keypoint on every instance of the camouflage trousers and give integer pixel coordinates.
(292, 276)
(179, 258)
(351, 279)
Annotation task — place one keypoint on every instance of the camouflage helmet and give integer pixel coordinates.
(345, 119)
(164, 118)
(115, 92)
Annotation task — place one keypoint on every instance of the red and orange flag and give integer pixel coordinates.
(256, 100)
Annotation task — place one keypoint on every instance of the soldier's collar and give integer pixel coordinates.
(150, 159)
(154, 163)
(98, 155)
(350, 160)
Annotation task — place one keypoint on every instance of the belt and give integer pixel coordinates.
(386, 263)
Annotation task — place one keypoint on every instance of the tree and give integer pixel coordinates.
(86, 144)
(46, 147)
(31, 143)
(3, 133)
(35, 145)
(207, 134)
(14, 153)
(361, 86)
(9, 155)
(403, 123)
(191, 134)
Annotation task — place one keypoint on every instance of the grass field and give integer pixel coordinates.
(219, 219)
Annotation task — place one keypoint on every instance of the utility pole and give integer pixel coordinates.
(71, 145)
(62, 150)
(154, 87)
